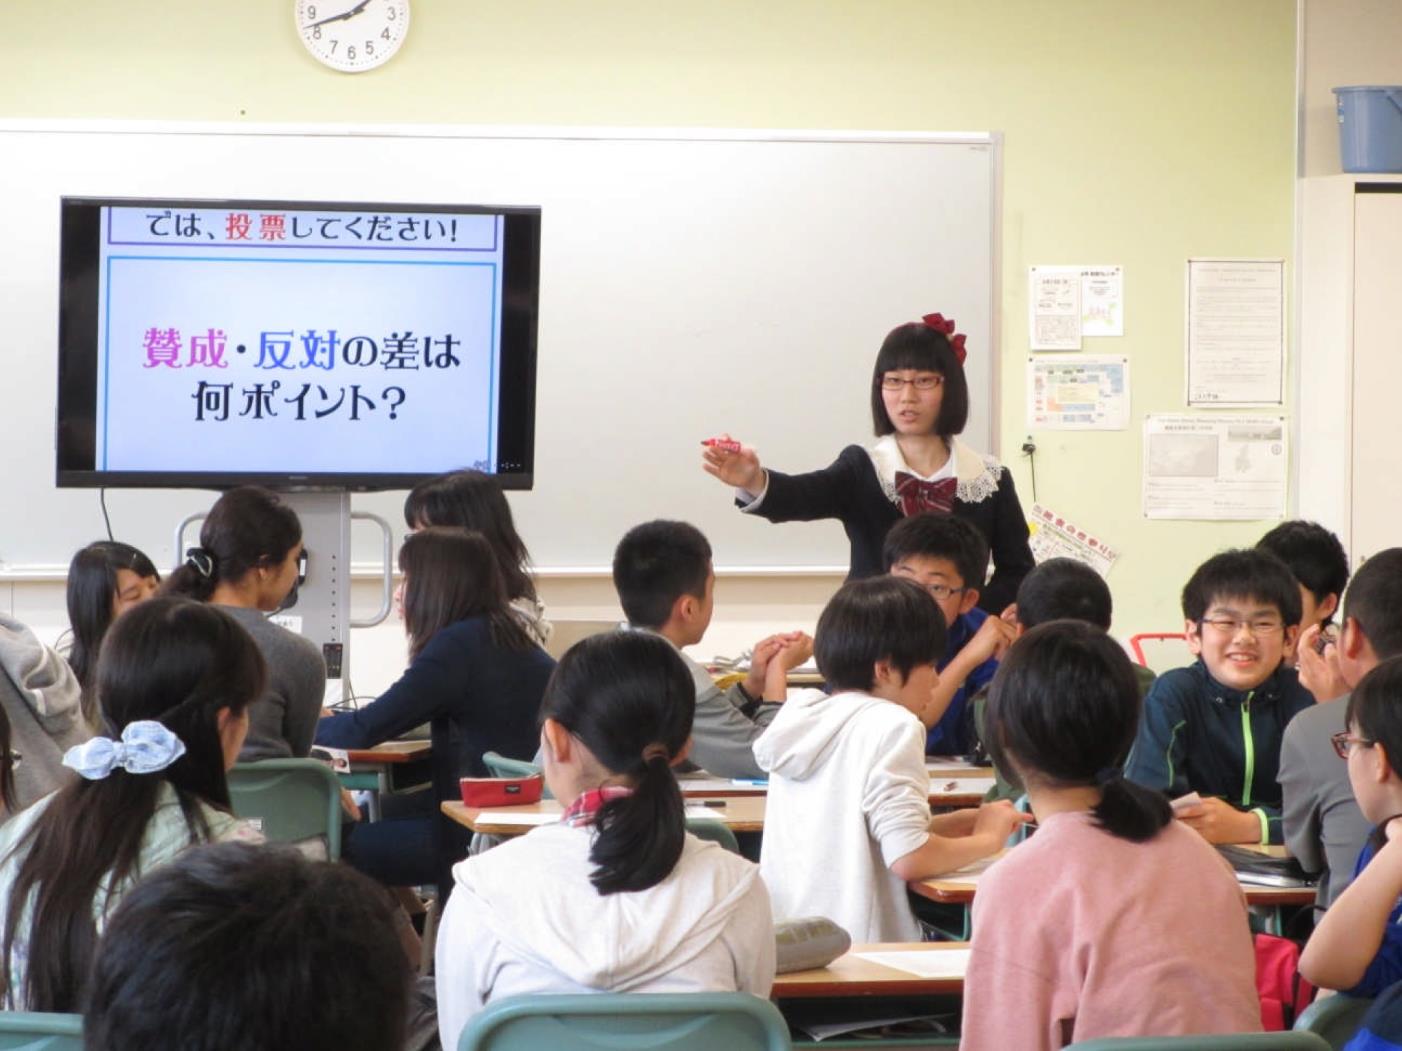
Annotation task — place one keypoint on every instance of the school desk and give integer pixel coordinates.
(739, 813)
(850, 975)
(945, 792)
(391, 766)
(959, 889)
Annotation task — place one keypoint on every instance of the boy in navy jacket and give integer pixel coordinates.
(1215, 727)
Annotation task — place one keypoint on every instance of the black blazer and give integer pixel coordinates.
(849, 490)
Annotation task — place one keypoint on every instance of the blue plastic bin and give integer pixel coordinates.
(1370, 128)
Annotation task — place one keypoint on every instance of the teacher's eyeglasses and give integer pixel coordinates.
(1345, 742)
(929, 381)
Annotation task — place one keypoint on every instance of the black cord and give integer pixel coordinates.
(102, 500)
(1029, 449)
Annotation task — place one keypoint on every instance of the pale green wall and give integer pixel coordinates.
(1137, 132)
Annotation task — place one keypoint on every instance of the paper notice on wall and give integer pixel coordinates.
(1214, 468)
(1071, 392)
(1055, 537)
(1102, 301)
(1236, 332)
(1054, 306)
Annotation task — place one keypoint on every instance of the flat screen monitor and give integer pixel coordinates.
(361, 346)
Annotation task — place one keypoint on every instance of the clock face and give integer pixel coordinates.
(352, 35)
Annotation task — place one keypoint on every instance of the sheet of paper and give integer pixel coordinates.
(1053, 536)
(1054, 305)
(927, 963)
(938, 764)
(820, 1031)
(1236, 332)
(695, 786)
(1070, 392)
(1214, 468)
(1102, 301)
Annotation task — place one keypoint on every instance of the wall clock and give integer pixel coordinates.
(352, 36)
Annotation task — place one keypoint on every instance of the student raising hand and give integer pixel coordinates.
(1317, 661)
(733, 463)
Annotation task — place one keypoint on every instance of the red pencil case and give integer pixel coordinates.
(500, 791)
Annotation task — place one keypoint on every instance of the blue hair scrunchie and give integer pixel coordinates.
(146, 747)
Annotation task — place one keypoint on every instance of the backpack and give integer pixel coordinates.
(1283, 991)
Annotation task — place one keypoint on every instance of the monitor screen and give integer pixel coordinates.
(293, 343)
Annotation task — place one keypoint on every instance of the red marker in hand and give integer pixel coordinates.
(724, 444)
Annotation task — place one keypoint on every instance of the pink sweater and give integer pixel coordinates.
(1079, 934)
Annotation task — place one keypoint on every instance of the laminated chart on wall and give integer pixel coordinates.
(1102, 301)
(1235, 332)
(1053, 536)
(1214, 468)
(1072, 392)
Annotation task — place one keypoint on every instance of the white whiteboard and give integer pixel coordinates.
(692, 282)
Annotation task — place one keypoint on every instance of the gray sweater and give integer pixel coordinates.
(283, 721)
(41, 698)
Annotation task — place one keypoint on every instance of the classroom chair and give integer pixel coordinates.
(632, 1021)
(36, 1031)
(290, 800)
(1136, 646)
(1336, 1018)
(500, 766)
(1289, 1041)
(716, 831)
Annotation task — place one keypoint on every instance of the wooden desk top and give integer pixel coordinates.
(954, 890)
(851, 976)
(391, 752)
(740, 814)
(962, 790)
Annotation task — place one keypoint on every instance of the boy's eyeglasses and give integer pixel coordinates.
(1345, 742)
(1230, 626)
(943, 591)
(931, 382)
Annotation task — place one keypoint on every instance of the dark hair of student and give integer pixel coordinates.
(1063, 710)
(629, 698)
(1374, 600)
(1313, 554)
(930, 535)
(474, 500)
(1063, 589)
(451, 575)
(234, 947)
(171, 660)
(1241, 574)
(918, 346)
(92, 592)
(877, 619)
(247, 527)
(657, 563)
(1374, 709)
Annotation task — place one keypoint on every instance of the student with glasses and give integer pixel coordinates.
(919, 406)
(250, 562)
(1215, 727)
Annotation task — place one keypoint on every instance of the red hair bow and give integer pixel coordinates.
(946, 328)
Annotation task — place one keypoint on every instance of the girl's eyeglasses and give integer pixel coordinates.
(1345, 742)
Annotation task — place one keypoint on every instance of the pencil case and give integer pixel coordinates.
(808, 942)
(500, 791)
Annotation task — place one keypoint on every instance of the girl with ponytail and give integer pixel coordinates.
(249, 562)
(1112, 919)
(617, 897)
(176, 680)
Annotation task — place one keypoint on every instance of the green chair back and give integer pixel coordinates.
(290, 799)
(716, 831)
(632, 1021)
(33, 1031)
(1336, 1018)
(1296, 1041)
(500, 766)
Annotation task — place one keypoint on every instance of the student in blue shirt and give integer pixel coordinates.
(948, 557)
(1357, 946)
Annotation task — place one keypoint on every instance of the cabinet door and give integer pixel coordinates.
(1376, 426)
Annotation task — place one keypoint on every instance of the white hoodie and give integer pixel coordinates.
(848, 795)
(524, 918)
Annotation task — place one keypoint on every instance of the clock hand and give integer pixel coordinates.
(342, 17)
